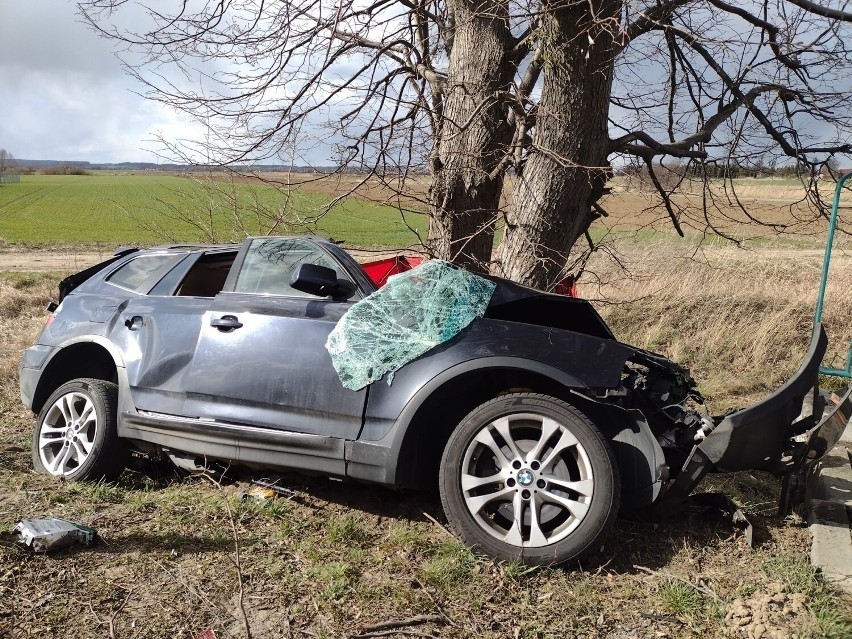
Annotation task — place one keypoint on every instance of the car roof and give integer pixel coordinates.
(202, 246)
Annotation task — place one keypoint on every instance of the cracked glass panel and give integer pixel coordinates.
(414, 312)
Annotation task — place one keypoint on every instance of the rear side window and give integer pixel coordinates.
(141, 273)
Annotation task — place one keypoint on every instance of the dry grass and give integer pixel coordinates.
(338, 558)
(741, 319)
(778, 203)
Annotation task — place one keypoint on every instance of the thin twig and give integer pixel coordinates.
(110, 622)
(370, 631)
(178, 577)
(706, 590)
(435, 603)
(438, 524)
(395, 633)
(246, 626)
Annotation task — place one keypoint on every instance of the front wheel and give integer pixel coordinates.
(76, 435)
(529, 478)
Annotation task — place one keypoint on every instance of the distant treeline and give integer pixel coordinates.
(725, 170)
(60, 169)
(41, 165)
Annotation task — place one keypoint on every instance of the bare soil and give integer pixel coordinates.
(43, 261)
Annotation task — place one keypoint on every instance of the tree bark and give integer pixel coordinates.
(566, 169)
(464, 196)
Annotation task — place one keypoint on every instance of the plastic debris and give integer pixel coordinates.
(262, 491)
(273, 486)
(414, 312)
(48, 534)
(259, 495)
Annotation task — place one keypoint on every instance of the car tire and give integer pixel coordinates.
(529, 478)
(76, 434)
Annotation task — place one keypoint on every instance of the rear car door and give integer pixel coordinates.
(261, 357)
(157, 331)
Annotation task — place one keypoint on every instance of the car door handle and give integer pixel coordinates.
(134, 323)
(226, 323)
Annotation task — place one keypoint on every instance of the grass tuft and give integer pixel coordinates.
(679, 598)
(335, 579)
(347, 529)
(450, 565)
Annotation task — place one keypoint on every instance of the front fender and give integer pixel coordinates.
(559, 360)
(573, 360)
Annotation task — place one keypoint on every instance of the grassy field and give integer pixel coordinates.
(107, 209)
(336, 560)
(113, 209)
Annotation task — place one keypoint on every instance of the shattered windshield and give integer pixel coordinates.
(414, 312)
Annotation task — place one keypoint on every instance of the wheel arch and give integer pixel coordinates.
(426, 423)
(94, 358)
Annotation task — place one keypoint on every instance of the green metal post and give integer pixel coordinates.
(832, 225)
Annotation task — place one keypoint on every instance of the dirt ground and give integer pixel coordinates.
(43, 261)
(40, 260)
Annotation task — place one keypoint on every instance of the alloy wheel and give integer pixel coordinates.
(526, 480)
(67, 434)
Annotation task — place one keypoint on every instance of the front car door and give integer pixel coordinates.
(261, 357)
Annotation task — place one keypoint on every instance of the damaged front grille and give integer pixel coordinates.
(668, 397)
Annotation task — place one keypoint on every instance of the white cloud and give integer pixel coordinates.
(65, 95)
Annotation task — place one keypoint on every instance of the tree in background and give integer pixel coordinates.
(6, 161)
(518, 110)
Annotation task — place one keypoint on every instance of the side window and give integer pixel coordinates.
(140, 273)
(207, 276)
(202, 277)
(270, 263)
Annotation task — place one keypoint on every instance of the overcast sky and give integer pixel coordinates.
(64, 95)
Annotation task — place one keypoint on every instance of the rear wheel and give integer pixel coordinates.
(528, 477)
(76, 435)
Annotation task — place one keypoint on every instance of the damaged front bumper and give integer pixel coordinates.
(785, 433)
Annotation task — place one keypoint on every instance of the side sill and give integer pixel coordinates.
(369, 462)
(242, 444)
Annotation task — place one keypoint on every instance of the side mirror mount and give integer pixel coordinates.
(321, 281)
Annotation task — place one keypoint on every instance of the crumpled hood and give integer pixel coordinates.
(515, 303)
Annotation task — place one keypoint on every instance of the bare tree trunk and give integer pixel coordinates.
(566, 169)
(464, 196)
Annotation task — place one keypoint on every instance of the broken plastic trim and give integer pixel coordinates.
(757, 437)
(414, 312)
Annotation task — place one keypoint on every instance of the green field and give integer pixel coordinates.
(126, 208)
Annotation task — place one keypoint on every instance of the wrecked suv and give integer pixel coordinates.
(533, 421)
